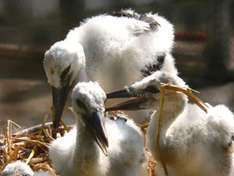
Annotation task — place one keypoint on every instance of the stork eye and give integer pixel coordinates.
(151, 89)
(80, 104)
(113, 118)
(65, 72)
(122, 118)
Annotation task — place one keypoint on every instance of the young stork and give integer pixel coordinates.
(191, 142)
(78, 153)
(105, 47)
(19, 168)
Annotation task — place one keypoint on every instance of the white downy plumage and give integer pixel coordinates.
(77, 153)
(19, 168)
(192, 142)
(106, 47)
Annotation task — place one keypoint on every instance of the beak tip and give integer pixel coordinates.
(55, 125)
(57, 119)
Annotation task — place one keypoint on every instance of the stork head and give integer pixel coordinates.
(88, 105)
(146, 92)
(17, 168)
(63, 63)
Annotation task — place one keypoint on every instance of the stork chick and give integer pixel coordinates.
(127, 47)
(79, 151)
(192, 142)
(19, 168)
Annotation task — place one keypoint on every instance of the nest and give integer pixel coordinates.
(31, 146)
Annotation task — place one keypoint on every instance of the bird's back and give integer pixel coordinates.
(121, 47)
(122, 50)
(199, 143)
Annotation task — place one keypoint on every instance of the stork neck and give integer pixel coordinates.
(84, 137)
(173, 106)
(86, 150)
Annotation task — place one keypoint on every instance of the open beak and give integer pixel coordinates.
(59, 100)
(95, 124)
(137, 102)
(130, 105)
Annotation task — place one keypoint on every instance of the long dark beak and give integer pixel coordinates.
(130, 105)
(124, 93)
(59, 100)
(95, 124)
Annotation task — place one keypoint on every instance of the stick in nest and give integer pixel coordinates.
(29, 145)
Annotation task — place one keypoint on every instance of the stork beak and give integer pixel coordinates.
(124, 93)
(59, 96)
(130, 105)
(95, 124)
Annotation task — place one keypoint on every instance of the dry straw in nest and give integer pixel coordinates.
(28, 145)
(31, 146)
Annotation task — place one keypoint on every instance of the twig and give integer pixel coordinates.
(35, 146)
(162, 99)
(64, 125)
(48, 135)
(187, 91)
(32, 141)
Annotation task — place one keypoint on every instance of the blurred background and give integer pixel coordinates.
(204, 49)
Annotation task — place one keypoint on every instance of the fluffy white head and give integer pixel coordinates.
(156, 79)
(90, 95)
(149, 88)
(59, 57)
(17, 168)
